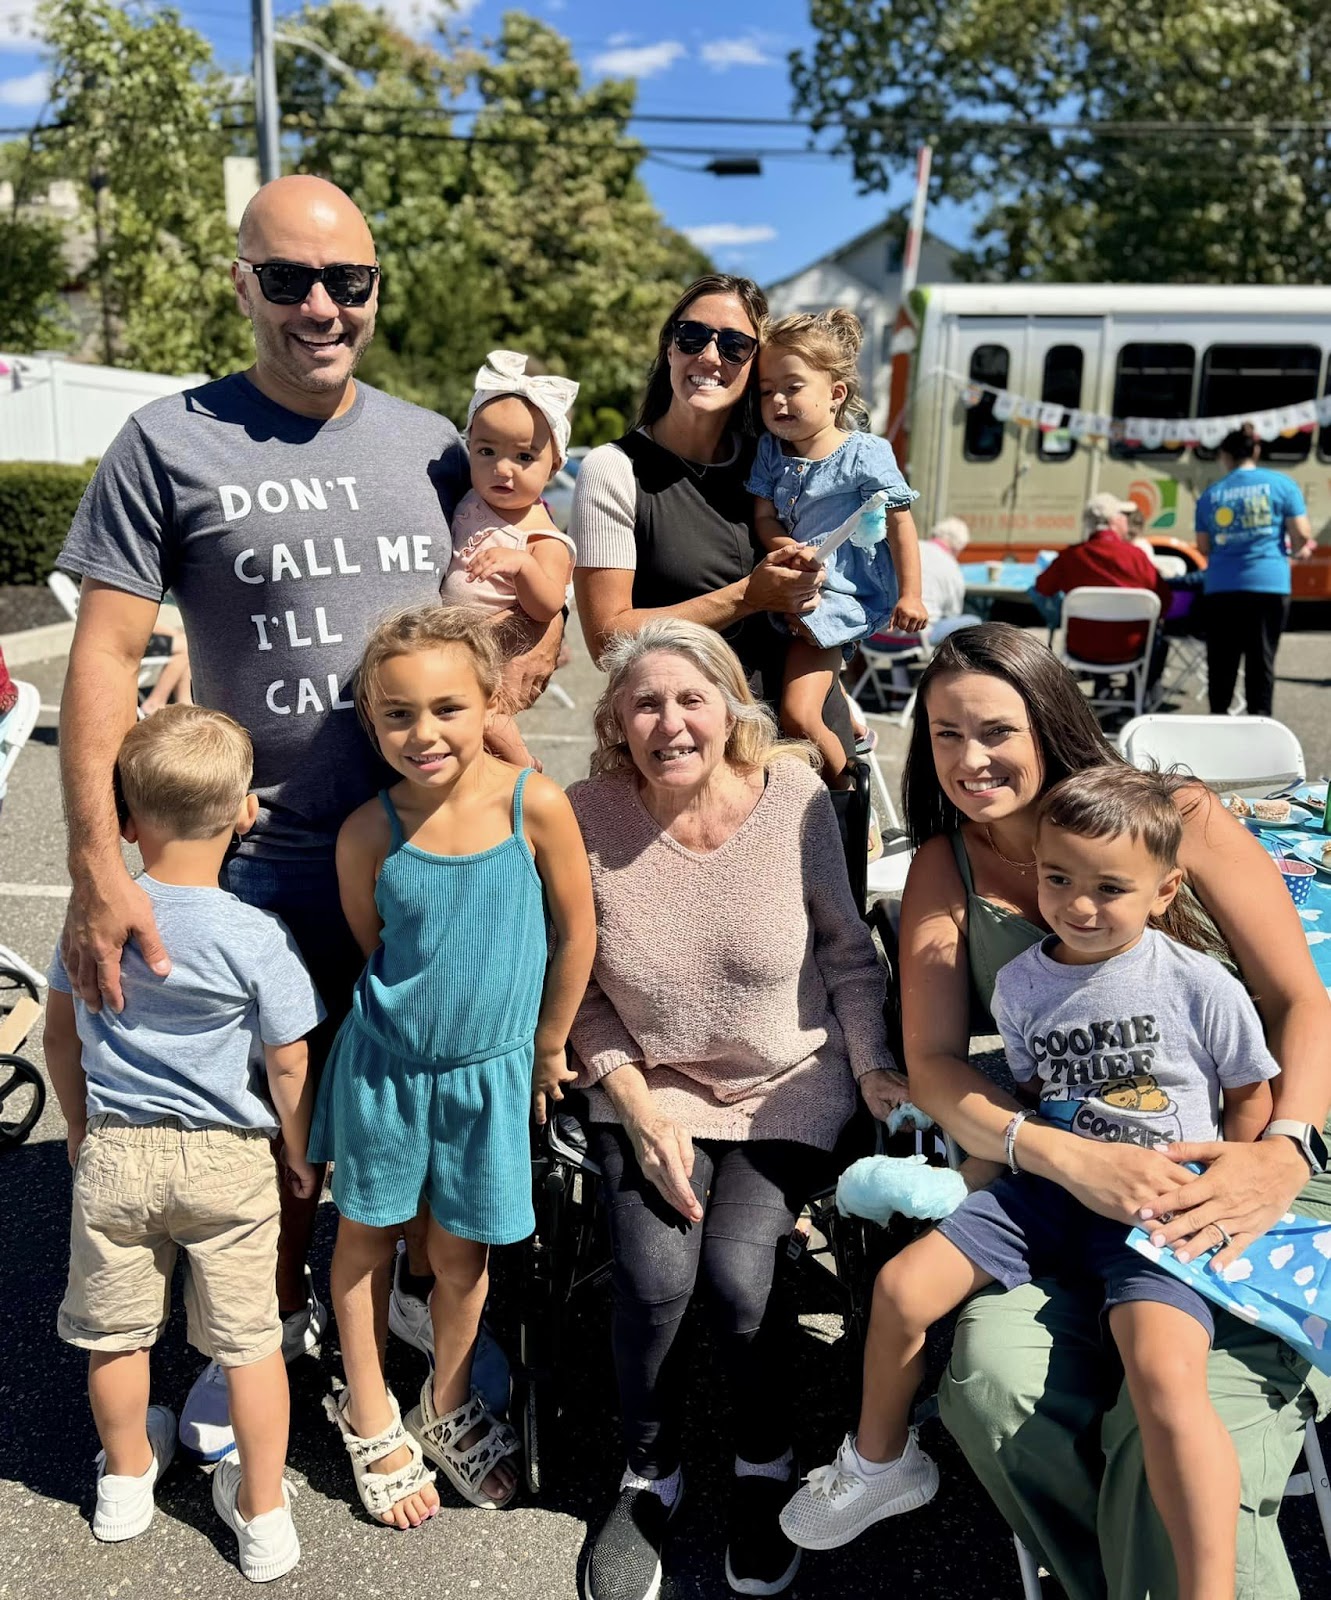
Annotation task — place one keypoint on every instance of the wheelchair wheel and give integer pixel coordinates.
(538, 1335)
(14, 986)
(22, 1099)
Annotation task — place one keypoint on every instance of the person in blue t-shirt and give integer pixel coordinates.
(1248, 524)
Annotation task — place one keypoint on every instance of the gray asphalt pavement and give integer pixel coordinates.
(957, 1547)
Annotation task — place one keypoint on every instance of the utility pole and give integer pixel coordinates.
(267, 112)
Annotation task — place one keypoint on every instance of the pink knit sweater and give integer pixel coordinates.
(742, 981)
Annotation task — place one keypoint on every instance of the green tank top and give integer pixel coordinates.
(994, 935)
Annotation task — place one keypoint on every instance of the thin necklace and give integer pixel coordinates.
(1021, 866)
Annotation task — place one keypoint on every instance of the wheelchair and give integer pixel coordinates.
(569, 1252)
(22, 1086)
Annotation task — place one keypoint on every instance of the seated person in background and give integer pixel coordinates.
(171, 1105)
(8, 689)
(1106, 559)
(941, 578)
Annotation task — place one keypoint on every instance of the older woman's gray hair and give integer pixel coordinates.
(753, 739)
(952, 533)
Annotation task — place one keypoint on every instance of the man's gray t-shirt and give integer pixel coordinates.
(283, 539)
(1135, 1049)
(190, 1045)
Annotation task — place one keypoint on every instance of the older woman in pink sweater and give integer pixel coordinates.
(736, 1001)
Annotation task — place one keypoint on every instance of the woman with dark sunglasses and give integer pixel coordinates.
(661, 519)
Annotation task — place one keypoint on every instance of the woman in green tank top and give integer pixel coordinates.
(1000, 721)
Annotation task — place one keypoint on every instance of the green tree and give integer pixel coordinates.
(522, 226)
(1157, 199)
(137, 97)
(33, 269)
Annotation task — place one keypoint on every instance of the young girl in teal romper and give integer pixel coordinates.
(456, 1034)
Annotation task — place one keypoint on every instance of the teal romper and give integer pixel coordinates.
(428, 1085)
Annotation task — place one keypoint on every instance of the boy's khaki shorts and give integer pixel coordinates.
(141, 1192)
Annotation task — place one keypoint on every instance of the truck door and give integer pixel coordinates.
(1061, 357)
(979, 458)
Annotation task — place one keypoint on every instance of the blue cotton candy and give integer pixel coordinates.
(881, 1187)
(907, 1116)
(871, 529)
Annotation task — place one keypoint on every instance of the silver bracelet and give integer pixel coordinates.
(1010, 1140)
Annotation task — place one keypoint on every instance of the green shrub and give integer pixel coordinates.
(38, 500)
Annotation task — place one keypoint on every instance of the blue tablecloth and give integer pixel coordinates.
(1316, 913)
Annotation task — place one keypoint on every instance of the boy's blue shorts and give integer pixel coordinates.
(1023, 1227)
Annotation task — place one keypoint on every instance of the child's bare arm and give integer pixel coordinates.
(768, 526)
(64, 1064)
(540, 574)
(362, 844)
(1247, 1112)
(904, 544)
(292, 1087)
(561, 860)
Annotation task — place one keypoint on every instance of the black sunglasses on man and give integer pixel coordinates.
(287, 283)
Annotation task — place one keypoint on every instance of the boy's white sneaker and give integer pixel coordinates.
(125, 1505)
(269, 1546)
(838, 1502)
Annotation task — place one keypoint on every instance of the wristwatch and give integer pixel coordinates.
(1312, 1147)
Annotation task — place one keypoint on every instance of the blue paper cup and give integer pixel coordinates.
(1298, 876)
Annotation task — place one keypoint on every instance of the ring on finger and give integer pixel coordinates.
(1225, 1237)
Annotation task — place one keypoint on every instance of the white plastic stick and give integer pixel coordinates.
(839, 535)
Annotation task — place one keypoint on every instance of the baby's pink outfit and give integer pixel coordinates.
(478, 526)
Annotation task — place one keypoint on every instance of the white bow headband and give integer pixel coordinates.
(505, 372)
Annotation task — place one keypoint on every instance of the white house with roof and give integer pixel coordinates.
(864, 275)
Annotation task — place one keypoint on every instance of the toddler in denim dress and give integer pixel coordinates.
(811, 474)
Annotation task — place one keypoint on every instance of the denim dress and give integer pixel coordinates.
(814, 497)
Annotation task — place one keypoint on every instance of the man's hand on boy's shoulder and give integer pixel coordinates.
(104, 915)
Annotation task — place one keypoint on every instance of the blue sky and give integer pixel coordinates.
(694, 57)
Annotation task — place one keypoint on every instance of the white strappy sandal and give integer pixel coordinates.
(379, 1491)
(466, 1469)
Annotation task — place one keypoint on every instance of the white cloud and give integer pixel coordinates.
(418, 17)
(639, 61)
(723, 235)
(616, 41)
(18, 25)
(26, 93)
(722, 54)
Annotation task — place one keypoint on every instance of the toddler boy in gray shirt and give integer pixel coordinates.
(171, 1105)
(1132, 1037)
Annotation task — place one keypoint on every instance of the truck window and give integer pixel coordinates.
(983, 439)
(1258, 377)
(1061, 386)
(1152, 380)
(1324, 437)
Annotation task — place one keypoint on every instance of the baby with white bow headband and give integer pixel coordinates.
(508, 556)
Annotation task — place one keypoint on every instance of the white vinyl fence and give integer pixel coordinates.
(56, 410)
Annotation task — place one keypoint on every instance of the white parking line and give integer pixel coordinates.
(35, 891)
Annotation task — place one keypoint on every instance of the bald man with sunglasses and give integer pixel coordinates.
(286, 508)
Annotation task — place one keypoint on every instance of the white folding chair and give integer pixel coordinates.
(1121, 606)
(16, 728)
(66, 591)
(890, 673)
(1240, 755)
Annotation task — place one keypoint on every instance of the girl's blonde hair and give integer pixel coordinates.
(830, 342)
(427, 627)
(753, 740)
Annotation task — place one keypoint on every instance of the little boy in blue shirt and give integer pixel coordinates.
(171, 1105)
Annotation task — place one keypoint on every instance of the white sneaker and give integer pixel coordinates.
(205, 1418)
(409, 1320)
(269, 1546)
(125, 1505)
(837, 1502)
(302, 1330)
